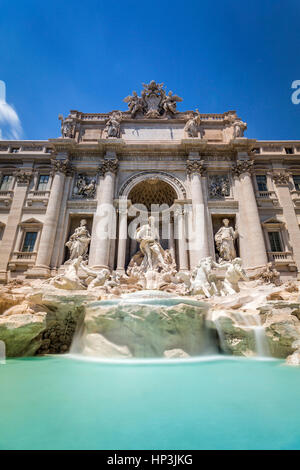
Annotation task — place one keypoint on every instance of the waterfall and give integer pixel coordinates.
(253, 322)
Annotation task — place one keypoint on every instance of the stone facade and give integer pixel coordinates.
(192, 169)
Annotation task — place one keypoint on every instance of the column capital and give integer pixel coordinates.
(23, 176)
(61, 166)
(281, 179)
(195, 167)
(241, 167)
(109, 166)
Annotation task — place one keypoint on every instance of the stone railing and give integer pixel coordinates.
(24, 256)
(276, 148)
(280, 256)
(6, 193)
(6, 198)
(266, 198)
(296, 197)
(40, 197)
(265, 194)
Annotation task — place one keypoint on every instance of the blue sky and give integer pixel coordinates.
(218, 55)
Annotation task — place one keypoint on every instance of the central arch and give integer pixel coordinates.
(144, 176)
(158, 192)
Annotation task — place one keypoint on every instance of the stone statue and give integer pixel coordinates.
(78, 243)
(67, 127)
(203, 281)
(225, 238)
(85, 187)
(270, 275)
(99, 277)
(219, 186)
(191, 126)
(70, 279)
(147, 236)
(169, 103)
(153, 102)
(239, 128)
(135, 103)
(113, 126)
(233, 275)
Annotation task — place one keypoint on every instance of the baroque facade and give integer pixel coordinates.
(197, 172)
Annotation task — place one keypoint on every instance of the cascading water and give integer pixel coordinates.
(145, 324)
(239, 333)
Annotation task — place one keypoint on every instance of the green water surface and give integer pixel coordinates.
(63, 403)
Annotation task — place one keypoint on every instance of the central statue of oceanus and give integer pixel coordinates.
(148, 237)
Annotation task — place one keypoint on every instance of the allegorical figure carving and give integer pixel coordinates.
(113, 126)
(98, 277)
(169, 103)
(233, 275)
(203, 281)
(135, 103)
(239, 128)
(225, 240)
(153, 102)
(67, 127)
(192, 125)
(79, 241)
(148, 237)
(219, 186)
(85, 187)
(70, 279)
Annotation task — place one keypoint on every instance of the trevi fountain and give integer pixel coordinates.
(138, 339)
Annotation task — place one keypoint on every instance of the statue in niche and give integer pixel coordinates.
(135, 103)
(169, 103)
(85, 187)
(219, 187)
(203, 281)
(67, 127)
(225, 241)
(152, 251)
(79, 241)
(113, 126)
(233, 275)
(192, 125)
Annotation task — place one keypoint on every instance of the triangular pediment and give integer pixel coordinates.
(32, 220)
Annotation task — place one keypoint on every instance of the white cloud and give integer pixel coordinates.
(10, 124)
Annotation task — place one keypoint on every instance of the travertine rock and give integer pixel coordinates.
(294, 359)
(149, 330)
(176, 354)
(22, 333)
(98, 345)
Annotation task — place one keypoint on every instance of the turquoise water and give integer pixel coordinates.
(63, 403)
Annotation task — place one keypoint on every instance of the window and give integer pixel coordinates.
(1, 231)
(296, 179)
(289, 150)
(261, 182)
(43, 182)
(29, 241)
(6, 182)
(275, 241)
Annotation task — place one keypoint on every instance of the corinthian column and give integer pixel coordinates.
(198, 239)
(122, 236)
(42, 267)
(281, 179)
(181, 239)
(251, 239)
(104, 224)
(8, 241)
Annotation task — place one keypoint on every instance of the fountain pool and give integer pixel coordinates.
(63, 402)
